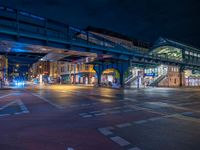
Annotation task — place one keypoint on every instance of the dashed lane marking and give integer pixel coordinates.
(124, 125)
(115, 112)
(130, 99)
(126, 144)
(87, 116)
(109, 111)
(48, 101)
(94, 112)
(161, 104)
(120, 141)
(105, 131)
(122, 109)
(188, 103)
(140, 121)
(155, 118)
(134, 148)
(100, 114)
(187, 113)
(127, 110)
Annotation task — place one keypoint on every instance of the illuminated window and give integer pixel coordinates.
(86, 67)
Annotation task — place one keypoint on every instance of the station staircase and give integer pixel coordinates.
(158, 80)
(130, 80)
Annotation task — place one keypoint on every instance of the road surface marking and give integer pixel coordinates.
(83, 105)
(8, 104)
(100, 114)
(134, 148)
(187, 113)
(127, 110)
(188, 103)
(140, 121)
(3, 115)
(179, 116)
(105, 131)
(116, 107)
(109, 111)
(130, 99)
(106, 109)
(123, 125)
(87, 116)
(20, 104)
(74, 105)
(120, 141)
(94, 112)
(19, 113)
(82, 114)
(6, 95)
(48, 101)
(155, 118)
(114, 112)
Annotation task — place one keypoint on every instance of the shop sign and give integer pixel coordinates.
(150, 74)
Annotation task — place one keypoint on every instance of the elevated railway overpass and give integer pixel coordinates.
(42, 38)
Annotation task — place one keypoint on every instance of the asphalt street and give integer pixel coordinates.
(61, 117)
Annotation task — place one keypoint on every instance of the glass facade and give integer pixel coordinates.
(169, 52)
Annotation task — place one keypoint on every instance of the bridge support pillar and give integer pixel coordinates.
(122, 79)
(99, 70)
(182, 77)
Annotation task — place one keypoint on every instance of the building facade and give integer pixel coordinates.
(77, 73)
(3, 68)
(64, 72)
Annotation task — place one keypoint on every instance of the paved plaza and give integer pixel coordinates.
(61, 117)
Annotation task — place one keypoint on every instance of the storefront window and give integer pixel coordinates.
(86, 67)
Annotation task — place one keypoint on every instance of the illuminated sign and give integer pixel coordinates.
(150, 74)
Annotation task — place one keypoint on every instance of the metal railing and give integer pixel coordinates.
(158, 80)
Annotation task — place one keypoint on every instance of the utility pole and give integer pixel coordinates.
(74, 74)
(138, 79)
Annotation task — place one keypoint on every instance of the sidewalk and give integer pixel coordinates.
(6, 88)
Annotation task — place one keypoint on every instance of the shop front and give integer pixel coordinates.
(110, 77)
(192, 78)
(84, 78)
(154, 73)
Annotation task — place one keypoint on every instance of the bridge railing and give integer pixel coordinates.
(22, 23)
(19, 23)
(156, 58)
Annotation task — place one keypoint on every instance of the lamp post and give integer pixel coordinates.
(40, 75)
(74, 74)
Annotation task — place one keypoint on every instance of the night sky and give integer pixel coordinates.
(141, 19)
